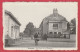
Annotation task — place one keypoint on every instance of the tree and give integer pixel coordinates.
(73, 21)
(29, 30)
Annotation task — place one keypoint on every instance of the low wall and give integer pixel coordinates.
(72, 39)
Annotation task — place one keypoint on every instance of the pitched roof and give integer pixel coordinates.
(12, 16)
(56, 17)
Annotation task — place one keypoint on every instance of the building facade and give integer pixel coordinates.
(54, 24)
(11, 26)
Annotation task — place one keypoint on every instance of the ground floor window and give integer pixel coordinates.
(55, 32)
(59, 32)
(50, 32)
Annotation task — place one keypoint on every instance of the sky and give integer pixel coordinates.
(35, 12)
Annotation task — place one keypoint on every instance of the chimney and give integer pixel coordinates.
(55, 12)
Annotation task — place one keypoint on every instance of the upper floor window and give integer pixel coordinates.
(55, 26)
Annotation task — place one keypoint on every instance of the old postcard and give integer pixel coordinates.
(40, 25)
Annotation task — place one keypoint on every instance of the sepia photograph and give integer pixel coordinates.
(40, 25)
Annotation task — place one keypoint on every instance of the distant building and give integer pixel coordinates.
(38, 31)
(54, 24)
(11, 26)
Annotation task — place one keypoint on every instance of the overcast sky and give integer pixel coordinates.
(34, 12)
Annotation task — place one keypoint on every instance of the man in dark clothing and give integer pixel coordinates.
(36, 35)
(36, 39)
(45, 37)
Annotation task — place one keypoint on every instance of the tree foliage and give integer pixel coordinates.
(29, 30)
(73, 21)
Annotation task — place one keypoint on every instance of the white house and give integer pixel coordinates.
(11, 26)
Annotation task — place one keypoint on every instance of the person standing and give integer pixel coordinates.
(45, 37)
(36, 39)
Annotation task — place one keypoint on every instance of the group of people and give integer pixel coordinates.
(36, 38)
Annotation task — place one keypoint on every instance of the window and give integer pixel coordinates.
(59, 33)
(55, 26)
(55, 32)
(11, 31)
(50, 32)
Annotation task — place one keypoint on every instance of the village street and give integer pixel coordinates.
(52, 23)
(28, 42)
